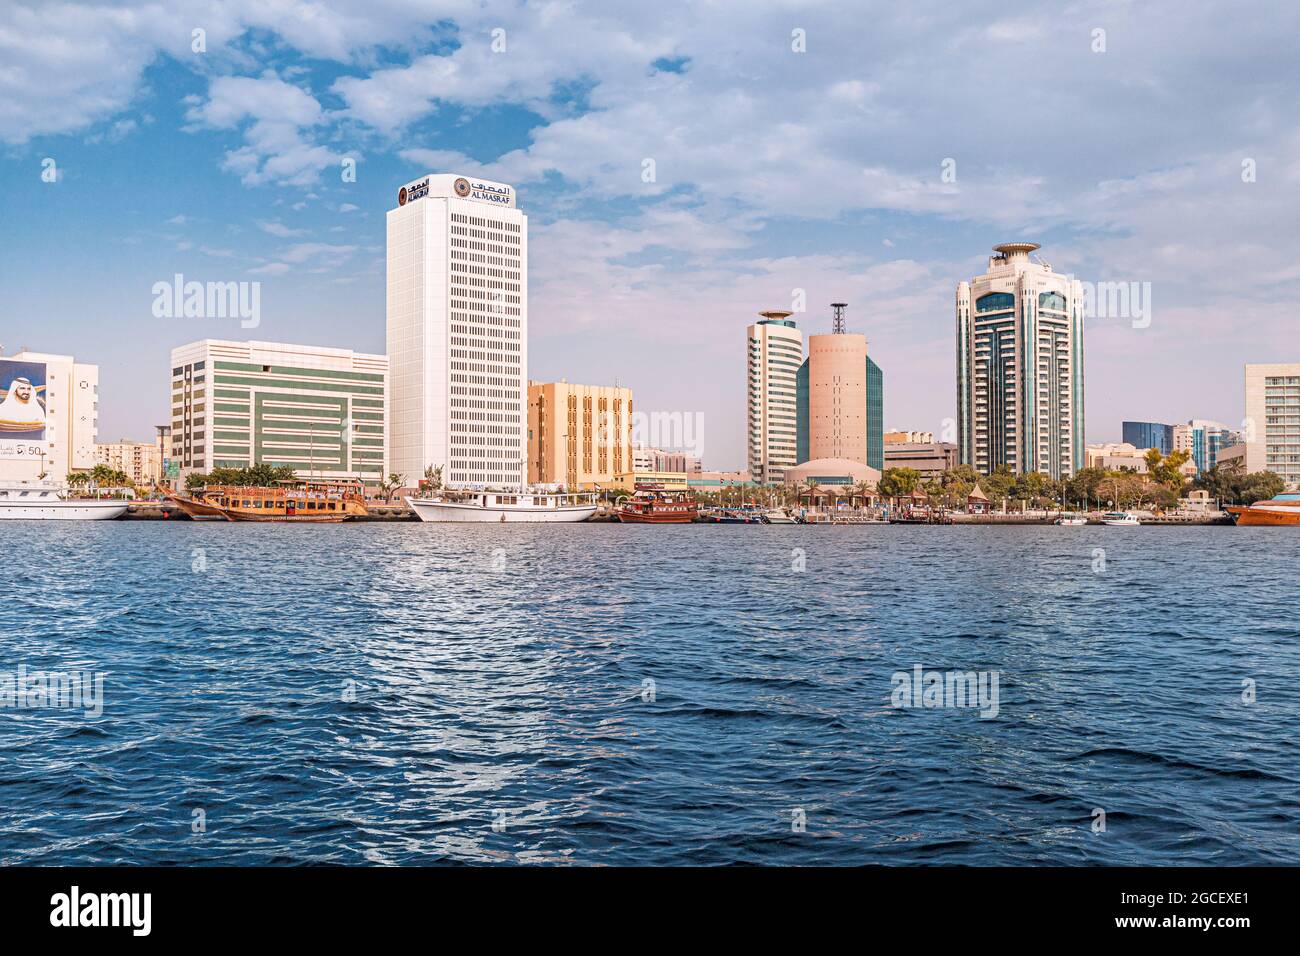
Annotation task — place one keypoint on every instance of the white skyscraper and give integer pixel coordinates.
(774, 352)
(1020, 366)
(458, 331)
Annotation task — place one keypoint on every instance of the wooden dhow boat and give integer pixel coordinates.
(653, 504)
(312, 500)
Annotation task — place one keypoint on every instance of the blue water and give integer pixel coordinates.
(500, 677)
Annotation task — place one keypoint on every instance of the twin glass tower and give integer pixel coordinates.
(1020, 366)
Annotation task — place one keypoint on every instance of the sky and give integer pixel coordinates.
(683, 165)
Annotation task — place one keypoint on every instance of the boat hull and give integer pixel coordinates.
(1255, 516)
(462, 512)
(656, 517)
(63, 510)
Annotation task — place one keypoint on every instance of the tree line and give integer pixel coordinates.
(1161, 486)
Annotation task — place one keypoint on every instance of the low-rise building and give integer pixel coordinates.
(899, 438)
(930, 459)
(1122, 456)
(141, 462)
(1232, 458)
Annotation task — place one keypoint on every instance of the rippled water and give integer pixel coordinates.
(385, 693)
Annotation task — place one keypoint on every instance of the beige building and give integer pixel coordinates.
(1273, 420)
(1121, 456)
(931, 459)
(49, 417)
(909, 438)
(774, 353)
(141, 462)
(1232, 459)
(579, 436)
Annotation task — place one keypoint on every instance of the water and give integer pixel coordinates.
(499, 676)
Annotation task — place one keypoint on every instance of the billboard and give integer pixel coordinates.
(22, 408)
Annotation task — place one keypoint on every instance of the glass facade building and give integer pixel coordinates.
(1149, 435)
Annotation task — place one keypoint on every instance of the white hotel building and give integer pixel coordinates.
(457, 309)
(1020, 366)
(774, 349)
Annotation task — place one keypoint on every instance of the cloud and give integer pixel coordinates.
(280, 229)
(274, 116)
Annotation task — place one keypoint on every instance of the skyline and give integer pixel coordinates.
(775, 171)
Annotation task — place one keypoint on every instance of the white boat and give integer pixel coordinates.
(504, 506)
(1120, 519)
(1071, 519)
(779, 516)
(32, 502)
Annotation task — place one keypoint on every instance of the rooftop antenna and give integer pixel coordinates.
(837, 324)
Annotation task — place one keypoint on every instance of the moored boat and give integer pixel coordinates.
(1120, 519)
(653, 504)
(504, 506)
(1071, 519)
(310, 501)
(43, 502)
(1281, 510)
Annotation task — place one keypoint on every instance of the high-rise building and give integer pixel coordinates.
(1273, 420)
(140, 461)
(1020, 366)
(457, 309)
(579, 436)
(317, 410)
(49, 416)
(774, 353)
(1202, 440)
(839, 400)
(1149, 435)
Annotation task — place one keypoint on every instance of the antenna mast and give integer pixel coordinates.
(837, 325)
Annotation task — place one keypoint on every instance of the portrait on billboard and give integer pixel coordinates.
(22, 400)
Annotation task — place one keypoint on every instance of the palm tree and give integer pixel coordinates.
(863, 490)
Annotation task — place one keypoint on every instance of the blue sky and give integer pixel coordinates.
(775, 170)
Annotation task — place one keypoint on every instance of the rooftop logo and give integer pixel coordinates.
(413, 192)
(462, 187)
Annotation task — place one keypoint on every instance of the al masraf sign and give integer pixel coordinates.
(448, 185)
(23, 421)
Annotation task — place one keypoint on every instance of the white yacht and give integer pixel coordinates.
(44, 502)
(1120, 519)
(1071, 519)
(778, 516)
(499, 506)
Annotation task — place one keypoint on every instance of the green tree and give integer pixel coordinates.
(389, 487)
(898, 482)
(1260, 486)
(433, 477)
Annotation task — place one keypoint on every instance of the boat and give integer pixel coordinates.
(1281, 510)
(1120, 519)
(1071, 519)
(309, 501)
(44, 502)
(779, 516)
(654, 504)
(504, 506)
